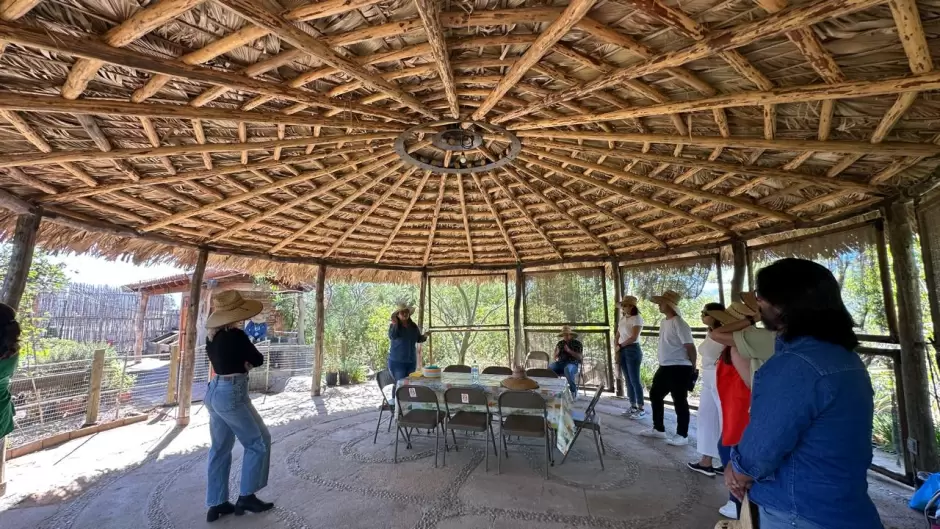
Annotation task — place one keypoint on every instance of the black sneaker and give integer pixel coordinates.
(719, 470)
(218, 511)
(705, 471)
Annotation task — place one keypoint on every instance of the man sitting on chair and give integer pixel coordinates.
(568, 355)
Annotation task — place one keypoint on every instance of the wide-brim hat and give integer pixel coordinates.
(403, 305)
(749, 298)
(741, 311)
(567, 330)
(669, 297)
(723, 317)
(230, 307)
(629, 300)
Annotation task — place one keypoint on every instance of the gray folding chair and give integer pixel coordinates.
(457, 368)
(522, 425)
(497, 370)
(384, 379)
(588, 419)
(537, 356)
(539, 372)
(421, 419)
(469, 421)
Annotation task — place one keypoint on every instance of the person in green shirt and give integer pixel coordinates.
(9, 354)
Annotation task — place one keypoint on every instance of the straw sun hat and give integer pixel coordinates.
(230, 307)
(669, 297)
(403, 305)
(567, 330)
(737, 311)
(629, 300)
(750, 299)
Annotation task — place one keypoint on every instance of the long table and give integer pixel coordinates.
(557, 396)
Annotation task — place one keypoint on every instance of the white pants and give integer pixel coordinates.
(709, 415)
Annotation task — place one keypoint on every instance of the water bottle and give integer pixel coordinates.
(474, 375)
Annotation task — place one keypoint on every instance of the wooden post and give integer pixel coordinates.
(301, 319)
(139, 321)
(884, 272)
(24, 242)
(740, 270)
(318, 333)
(173, 378)
(188, 354)
(618, 295)
(921, 442)
(519, 356)
(94, 388)
(422, 295)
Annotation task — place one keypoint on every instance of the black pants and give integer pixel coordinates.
(672, 380)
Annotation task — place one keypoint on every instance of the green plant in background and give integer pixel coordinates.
(358, 375)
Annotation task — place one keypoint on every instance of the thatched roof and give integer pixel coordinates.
(604, 128)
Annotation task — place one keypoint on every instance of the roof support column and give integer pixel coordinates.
(740, 269)
(318, 332)
(519, 349)
(188, 359)
(618, 296)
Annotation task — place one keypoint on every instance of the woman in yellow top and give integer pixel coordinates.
(9, 354)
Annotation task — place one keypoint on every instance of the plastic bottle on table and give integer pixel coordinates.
(474, 374)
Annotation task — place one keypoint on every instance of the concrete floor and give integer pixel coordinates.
(327, 472)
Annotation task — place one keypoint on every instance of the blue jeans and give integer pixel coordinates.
(400, 370)
(570, 371)
(725, 453)
(231, 416)
(780, 520)
(630, 358)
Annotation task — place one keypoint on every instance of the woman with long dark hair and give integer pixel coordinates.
(630, 356)
(231, 413)
(806, 452)
(404, 336)
(9, 356)
(709, 408)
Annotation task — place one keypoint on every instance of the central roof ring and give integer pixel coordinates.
(457, 146)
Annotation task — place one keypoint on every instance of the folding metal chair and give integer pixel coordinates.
(539, 372)
(469, 421)
(497, 370)
(457, 368)
(384, 379)
(422, 419)
(522, 425)
(588, 419)
(537, 356)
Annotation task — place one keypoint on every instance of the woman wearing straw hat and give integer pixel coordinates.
(629, 355)
(568, 354)
(675, 376)
(709, 409)
(404, 335)
(231, 414)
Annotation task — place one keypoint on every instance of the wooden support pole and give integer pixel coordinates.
(318, 332)
(188, 356)
(139, 321)
(24, 242)
(94, 389)
(921, 440)
(520, 353)
(618, 296)
(740, 268)
(301, 319)
(884, 272)
(422, 297)
(172, 383)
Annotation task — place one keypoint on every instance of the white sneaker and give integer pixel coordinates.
(640, 414)
(678, 441)
(629, 413)
(729, 510)
(656, 434)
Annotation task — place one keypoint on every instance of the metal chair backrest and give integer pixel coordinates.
(538, 356)
(384, 379)
(497, 370)
(524, 400)
(539, 372)
(457, 368)
(465, 397)
(589, 412)
(417, 395)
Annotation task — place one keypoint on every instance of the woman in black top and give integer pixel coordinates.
(231, 414)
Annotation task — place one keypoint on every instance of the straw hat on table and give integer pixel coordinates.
(670, 298)
(230, 307)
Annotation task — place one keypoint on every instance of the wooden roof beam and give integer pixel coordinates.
(741, 35)
(260, 13)
(575, 10)
(434, 219)
(430, 11)
(405, 215)
(528, 216)
(496, 216)
(36, 139)
(463, 210)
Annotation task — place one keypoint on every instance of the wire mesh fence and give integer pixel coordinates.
(594, 366)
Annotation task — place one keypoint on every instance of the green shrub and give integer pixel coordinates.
(358, 375)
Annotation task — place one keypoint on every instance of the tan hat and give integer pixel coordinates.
(669, 297)
(230, 307)
(722, 316)
(404, 305)
(749, 298)
(567, 330)
(629, 300)
(741, 311)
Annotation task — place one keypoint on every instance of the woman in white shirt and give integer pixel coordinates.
(629, 355)
(709, 408)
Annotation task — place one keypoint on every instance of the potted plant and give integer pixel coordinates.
(332, 372)
(344, 365)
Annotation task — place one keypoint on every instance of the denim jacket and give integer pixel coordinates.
(403, 340)
(808, 445)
